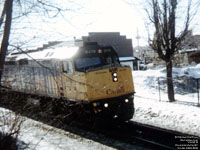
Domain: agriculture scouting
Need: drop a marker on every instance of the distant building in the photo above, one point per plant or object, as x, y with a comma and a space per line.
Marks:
190, 49
130, 61
189, 52
188, 56
191, 41
120, 43
145, 54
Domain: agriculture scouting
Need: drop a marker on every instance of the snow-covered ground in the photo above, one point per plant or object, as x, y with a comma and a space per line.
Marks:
39, 136
173, 116
181, 115
185, 83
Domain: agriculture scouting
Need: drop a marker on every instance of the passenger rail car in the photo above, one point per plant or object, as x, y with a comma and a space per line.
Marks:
89, 74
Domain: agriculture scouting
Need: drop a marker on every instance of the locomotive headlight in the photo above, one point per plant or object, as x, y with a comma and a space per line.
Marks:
115, 79
126, 100
115, 74
106, 105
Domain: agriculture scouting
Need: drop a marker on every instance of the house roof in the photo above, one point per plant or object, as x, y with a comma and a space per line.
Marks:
123, 59
188, 50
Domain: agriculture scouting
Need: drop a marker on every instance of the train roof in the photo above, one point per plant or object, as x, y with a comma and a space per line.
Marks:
61, 51
50, 53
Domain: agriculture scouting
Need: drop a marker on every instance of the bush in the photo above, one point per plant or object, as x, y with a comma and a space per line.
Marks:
7, 142
10, 124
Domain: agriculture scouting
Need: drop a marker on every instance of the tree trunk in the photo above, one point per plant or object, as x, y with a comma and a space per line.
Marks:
3, 13
170, 86
6, 34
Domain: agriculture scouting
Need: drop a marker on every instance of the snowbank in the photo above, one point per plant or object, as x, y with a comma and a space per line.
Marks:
173, 116
152, 83
153, 108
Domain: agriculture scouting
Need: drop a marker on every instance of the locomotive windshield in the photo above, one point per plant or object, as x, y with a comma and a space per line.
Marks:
96, 59
83, 63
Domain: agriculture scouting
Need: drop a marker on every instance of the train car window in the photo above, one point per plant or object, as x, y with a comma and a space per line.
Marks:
10, 63
67, 67
23, 62
47, 54
51, 54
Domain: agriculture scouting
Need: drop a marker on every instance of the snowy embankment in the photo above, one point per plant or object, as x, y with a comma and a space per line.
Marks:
39, 136
153, 110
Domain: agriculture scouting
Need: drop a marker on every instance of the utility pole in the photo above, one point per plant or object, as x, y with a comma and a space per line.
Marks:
138, 48
138, 44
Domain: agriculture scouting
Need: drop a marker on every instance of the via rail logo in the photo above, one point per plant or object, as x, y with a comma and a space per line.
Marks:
121, 89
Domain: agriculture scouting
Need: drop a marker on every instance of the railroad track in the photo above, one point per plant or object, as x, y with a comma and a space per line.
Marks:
143, 135
154, 137
166, 139
133, 133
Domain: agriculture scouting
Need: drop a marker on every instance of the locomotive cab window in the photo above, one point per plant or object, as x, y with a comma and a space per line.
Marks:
87, 62
110, 59
95, 59
67, 67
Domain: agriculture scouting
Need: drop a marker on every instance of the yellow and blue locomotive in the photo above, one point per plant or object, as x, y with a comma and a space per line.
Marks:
89, 74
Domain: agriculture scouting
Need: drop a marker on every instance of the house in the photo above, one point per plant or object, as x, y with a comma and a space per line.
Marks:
145, 54
133, 62
189, 52
188, 56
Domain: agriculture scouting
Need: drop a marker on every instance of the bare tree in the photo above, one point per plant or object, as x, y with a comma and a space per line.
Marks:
10, 125
7, 11
2, 14
166, 41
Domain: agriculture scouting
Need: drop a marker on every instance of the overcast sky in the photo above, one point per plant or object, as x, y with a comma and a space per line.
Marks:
95, 16
111, 16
